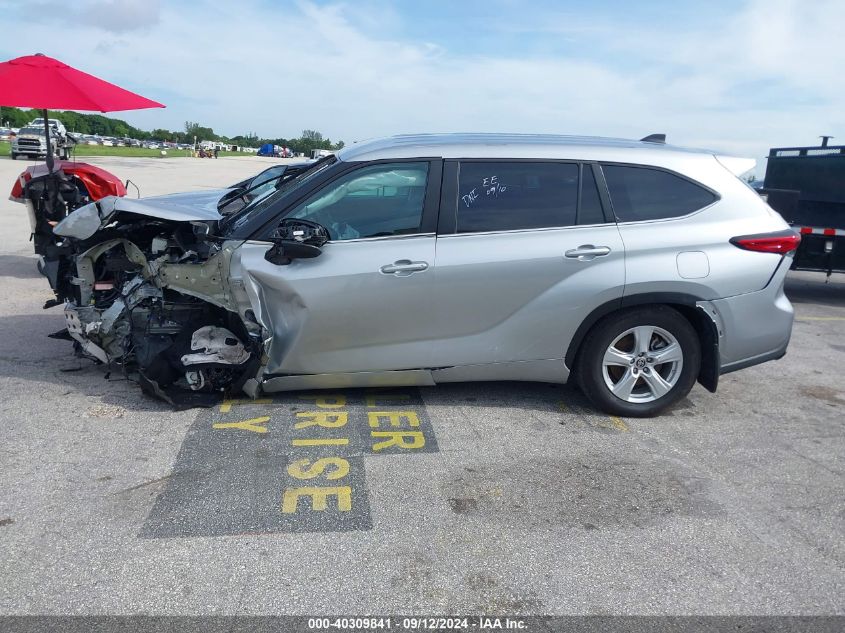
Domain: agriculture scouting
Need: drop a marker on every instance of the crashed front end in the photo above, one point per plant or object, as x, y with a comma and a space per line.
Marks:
152, 295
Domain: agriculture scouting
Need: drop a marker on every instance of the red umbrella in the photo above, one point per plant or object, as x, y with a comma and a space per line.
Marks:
41, 82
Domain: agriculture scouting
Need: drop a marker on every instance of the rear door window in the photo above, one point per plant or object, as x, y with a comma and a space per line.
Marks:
501, 196
643, 193
590, 209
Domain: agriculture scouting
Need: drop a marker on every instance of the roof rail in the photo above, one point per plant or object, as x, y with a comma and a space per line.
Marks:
654, 138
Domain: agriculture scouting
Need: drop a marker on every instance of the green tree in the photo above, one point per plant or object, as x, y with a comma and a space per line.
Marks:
201, 133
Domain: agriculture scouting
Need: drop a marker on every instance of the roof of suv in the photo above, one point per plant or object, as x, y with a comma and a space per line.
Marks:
504, 146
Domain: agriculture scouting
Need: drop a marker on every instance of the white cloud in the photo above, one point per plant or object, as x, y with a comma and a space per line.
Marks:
249, 67
116, 16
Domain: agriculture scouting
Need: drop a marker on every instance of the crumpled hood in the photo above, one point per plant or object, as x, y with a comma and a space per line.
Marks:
180, 207
177, 207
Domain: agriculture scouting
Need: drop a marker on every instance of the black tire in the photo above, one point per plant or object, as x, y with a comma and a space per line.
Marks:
13, 156
591, 370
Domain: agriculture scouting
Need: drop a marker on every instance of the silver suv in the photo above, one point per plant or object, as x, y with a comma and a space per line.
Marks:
636, 267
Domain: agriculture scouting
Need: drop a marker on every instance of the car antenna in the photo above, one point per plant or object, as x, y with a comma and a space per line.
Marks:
654, 138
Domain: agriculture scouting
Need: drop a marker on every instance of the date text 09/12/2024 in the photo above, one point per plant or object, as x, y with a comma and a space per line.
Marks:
414, 624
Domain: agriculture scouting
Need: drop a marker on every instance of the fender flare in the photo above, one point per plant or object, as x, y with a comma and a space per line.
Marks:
687, 304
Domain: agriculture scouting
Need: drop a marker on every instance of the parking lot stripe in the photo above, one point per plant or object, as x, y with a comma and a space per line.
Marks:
812, 318
340, 441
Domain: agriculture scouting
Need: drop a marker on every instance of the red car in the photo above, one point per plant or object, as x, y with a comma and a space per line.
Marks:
50, 198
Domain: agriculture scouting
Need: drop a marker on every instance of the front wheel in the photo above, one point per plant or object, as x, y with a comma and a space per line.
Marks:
13, 156
639, 362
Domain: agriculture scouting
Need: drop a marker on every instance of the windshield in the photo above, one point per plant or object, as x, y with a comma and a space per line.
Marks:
269, 196
268, 174
32, 130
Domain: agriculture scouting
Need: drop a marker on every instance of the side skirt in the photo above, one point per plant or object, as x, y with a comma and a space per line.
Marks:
409, 378
552, 370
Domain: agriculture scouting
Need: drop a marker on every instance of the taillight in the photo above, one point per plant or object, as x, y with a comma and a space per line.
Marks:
780, 242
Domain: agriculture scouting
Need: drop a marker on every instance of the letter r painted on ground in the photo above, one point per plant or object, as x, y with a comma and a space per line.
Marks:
325, 419
399, 439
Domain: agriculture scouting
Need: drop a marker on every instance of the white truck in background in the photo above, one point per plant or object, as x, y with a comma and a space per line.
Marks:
31, 142
55, 126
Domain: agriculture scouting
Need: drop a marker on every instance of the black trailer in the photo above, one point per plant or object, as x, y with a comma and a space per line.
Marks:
806, 185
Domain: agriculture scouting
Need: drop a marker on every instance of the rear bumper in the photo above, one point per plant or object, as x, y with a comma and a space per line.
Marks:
755, 327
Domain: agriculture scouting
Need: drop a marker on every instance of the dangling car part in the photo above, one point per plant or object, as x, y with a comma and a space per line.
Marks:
49, 199
158, 306
147, 288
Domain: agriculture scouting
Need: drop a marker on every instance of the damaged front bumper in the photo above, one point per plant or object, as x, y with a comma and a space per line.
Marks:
154, 297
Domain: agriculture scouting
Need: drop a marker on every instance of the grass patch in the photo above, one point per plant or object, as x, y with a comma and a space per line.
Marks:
137, 152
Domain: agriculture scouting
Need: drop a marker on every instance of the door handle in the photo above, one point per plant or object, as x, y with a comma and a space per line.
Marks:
403, 268
587, 252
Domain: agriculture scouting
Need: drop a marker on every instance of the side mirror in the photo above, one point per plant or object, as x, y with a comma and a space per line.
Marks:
304, 231
284, 252
296, 239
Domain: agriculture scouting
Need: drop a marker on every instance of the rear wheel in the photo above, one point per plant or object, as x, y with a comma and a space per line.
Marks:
639, 362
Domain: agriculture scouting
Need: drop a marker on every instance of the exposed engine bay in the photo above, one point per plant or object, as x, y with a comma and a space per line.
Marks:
150, 296
145, 283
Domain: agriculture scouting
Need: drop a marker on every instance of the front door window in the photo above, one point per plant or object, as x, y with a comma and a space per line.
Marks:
375, 201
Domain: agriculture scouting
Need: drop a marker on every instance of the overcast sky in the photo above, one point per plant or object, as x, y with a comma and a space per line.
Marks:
735, 76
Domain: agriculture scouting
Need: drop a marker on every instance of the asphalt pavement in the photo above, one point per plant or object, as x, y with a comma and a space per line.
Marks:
509, 498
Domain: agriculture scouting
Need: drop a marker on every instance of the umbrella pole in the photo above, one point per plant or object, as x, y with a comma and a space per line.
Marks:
49, 150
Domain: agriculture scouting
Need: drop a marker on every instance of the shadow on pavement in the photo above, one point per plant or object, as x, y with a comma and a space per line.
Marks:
26, 353
816, 288
22, 267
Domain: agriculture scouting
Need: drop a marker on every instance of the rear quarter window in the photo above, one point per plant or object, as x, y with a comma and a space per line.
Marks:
643, 193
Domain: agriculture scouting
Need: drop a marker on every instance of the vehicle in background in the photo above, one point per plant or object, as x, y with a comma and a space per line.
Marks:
268, 149
30, 142
806, 186
276, 151
633, 267
320, 153
55, 124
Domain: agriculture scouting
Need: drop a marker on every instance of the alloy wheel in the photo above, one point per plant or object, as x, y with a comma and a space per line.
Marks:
642, 364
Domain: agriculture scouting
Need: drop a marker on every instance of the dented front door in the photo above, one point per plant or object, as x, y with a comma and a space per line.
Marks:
362, 305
